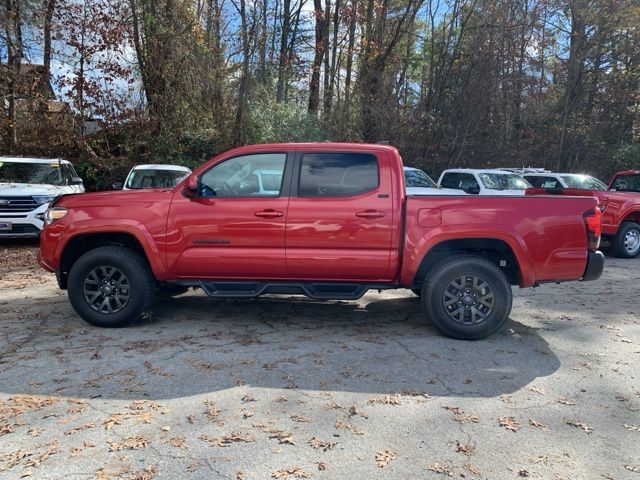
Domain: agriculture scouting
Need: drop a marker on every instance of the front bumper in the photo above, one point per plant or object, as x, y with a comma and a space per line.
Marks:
24, 224
595, 266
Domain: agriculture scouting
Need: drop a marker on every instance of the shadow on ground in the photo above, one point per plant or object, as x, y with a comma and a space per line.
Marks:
197, 345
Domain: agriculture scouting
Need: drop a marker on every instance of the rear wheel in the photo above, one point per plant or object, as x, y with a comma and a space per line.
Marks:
111, 286
467, 297
626, 244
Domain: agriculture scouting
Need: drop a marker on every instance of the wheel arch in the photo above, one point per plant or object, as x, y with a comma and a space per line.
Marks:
497, 251
82, 243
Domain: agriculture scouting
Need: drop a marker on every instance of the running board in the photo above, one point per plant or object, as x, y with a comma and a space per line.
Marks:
317, 291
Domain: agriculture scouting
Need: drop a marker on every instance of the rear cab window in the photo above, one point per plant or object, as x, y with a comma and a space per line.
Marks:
459, 181
327, 174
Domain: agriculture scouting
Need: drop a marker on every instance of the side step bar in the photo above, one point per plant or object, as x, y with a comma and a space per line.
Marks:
317, 291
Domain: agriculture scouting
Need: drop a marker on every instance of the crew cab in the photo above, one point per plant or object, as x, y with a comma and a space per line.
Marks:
27, 185
620, 206
475, 181
338, 224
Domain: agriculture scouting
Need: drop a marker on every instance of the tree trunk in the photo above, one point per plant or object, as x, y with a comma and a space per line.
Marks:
314, 84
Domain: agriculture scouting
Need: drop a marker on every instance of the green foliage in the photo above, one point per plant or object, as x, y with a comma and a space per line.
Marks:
626, 157
282, 122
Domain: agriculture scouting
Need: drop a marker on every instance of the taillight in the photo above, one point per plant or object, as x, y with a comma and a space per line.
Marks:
593, 222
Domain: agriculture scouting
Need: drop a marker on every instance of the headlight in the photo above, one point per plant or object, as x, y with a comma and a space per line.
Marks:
53, 214
42, 199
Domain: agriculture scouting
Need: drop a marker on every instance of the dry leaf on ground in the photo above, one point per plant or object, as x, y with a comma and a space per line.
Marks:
383, 458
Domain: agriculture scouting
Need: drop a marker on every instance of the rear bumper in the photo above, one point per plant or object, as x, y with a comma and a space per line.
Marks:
595, 266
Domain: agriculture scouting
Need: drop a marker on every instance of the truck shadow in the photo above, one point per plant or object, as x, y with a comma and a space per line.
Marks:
197, 345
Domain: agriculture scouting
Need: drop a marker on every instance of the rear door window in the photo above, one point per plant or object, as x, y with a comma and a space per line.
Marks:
337, 174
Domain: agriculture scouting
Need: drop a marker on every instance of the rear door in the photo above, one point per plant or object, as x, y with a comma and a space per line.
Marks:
340, 216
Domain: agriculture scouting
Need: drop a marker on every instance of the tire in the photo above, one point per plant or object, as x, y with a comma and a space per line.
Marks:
417, 291
464, 316
626, 243
128, 295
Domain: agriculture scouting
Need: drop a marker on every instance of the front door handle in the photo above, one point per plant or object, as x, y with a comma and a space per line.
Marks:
370, 214
269, 213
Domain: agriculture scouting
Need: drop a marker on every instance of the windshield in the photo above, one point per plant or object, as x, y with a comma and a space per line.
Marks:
583, 182
503, 181
154, 179
417, 178
627, 183
19, 172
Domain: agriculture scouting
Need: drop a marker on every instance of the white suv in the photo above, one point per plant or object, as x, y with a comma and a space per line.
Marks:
27, 185
475, 181
563, 180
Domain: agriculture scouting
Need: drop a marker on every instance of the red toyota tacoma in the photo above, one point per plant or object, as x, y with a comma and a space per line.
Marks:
325, 220
620, 206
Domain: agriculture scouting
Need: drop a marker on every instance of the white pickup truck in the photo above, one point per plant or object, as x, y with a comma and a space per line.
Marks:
476, 181
27, 186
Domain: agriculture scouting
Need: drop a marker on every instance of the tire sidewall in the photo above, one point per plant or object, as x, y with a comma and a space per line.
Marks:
444, 274
138, 281
621, 251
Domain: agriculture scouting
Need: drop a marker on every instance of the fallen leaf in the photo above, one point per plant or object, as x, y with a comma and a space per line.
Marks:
580, 425
466, 448
535, 423
442, 469
226, 440
295, 472
321, 445
386, 400
136, 442
510, 423
383, 458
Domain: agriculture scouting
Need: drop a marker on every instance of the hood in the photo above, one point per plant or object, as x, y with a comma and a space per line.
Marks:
114, 198
28, 189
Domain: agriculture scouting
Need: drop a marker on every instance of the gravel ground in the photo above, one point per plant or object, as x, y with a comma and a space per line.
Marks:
292, 388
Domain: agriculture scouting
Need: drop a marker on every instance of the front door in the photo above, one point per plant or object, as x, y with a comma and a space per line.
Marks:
340, 217
234, 228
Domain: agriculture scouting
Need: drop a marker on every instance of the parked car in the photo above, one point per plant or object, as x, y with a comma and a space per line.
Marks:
27, 185
339, 224
418, 182
563, 180
154, 176
483, 181
620, 206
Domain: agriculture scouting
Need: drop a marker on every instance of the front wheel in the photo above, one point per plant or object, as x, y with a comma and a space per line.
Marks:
626, 243
111, 286
467, 297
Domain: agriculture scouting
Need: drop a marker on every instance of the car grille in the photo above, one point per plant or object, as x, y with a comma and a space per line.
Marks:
17, 204
20, 229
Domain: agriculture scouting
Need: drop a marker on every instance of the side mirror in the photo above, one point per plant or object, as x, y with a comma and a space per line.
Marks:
117, 185
191, 187
75, 181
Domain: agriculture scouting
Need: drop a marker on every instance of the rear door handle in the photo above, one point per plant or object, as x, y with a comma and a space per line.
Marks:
269, 213
370, 214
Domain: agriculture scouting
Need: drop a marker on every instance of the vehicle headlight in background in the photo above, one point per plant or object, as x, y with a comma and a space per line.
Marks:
42, 199
53, 214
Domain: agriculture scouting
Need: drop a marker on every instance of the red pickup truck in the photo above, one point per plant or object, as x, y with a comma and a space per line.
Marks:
326, 220
620, 206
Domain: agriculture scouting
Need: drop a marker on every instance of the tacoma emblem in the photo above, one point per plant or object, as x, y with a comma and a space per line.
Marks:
4, 202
